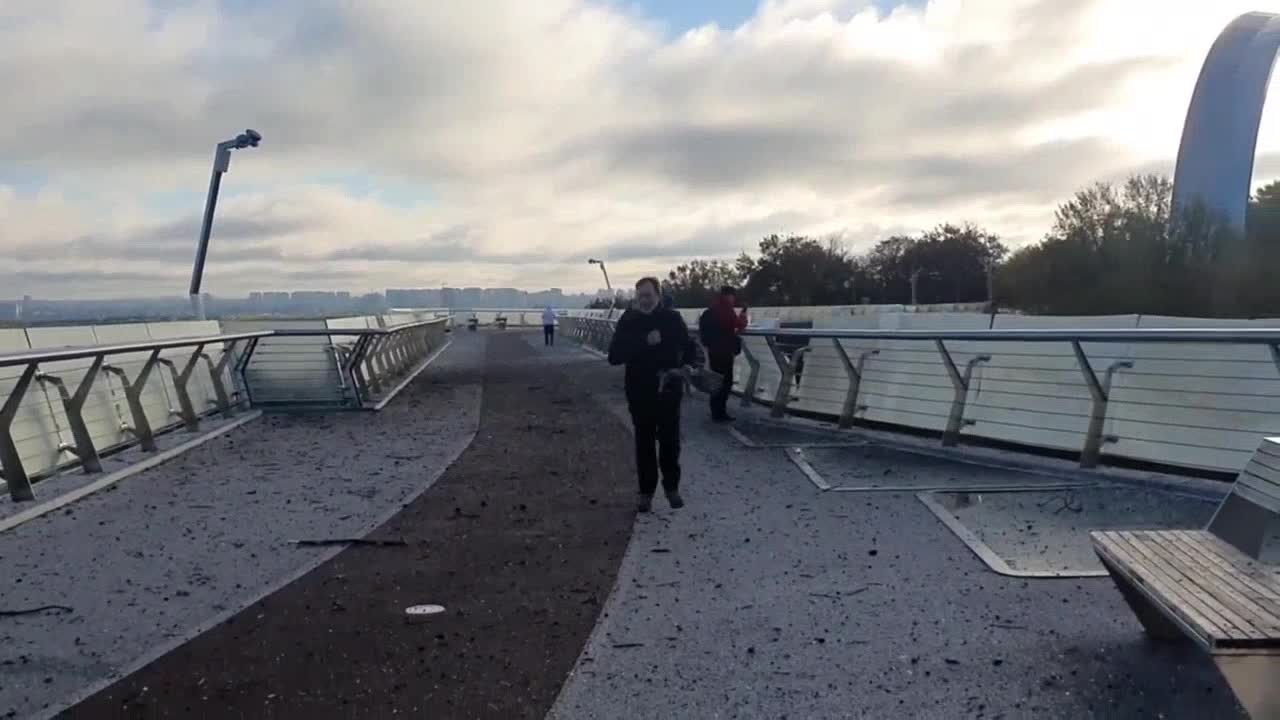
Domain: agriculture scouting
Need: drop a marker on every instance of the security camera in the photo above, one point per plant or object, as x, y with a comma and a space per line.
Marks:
255, 137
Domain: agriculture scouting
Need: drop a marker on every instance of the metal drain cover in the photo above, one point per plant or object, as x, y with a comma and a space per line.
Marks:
414, 610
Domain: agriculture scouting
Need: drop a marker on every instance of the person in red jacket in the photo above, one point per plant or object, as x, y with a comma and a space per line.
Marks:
718, 328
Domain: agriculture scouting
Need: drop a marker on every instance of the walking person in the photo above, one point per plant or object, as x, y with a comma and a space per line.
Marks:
653, 341
549, 327
718, 328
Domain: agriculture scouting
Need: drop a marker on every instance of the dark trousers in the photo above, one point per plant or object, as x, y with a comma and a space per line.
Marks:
723, 366
549, 334
657, 424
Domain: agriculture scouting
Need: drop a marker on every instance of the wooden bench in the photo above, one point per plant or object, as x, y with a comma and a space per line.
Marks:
1212, 585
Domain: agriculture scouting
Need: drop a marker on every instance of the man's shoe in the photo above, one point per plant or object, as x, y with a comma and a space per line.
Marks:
675, 500
644, 503
723, 418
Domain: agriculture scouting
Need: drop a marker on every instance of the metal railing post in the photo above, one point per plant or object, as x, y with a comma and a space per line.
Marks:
854, 373
216, 371
73, 406
374, 363
242, 368
186, 410
1101, 394
15, 475
355, 369
960, 383
133, 394
753, 376
787, 369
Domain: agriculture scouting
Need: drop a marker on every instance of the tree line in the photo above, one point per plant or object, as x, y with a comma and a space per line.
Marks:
1112, 249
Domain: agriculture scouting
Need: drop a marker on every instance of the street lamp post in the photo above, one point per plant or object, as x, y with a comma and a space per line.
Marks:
221, 164
609, 287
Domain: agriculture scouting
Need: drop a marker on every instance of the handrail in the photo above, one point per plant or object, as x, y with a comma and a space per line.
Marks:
376, 356
1163, 409
1231, 336
91, 351
356, 332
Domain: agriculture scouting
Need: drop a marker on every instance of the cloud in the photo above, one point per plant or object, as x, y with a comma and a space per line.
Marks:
530, 135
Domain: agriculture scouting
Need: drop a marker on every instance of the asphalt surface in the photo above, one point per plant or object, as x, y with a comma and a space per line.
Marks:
765, 598
519, 541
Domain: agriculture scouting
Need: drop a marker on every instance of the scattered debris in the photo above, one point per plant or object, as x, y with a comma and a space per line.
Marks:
424, 610
350, 541
36, 610
624, 646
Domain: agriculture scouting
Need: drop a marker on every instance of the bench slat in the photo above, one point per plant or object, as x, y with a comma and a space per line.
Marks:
1243, 571
1184, 589
1270, 446
1218, 587
1268, 461
1257, 491
1203, 621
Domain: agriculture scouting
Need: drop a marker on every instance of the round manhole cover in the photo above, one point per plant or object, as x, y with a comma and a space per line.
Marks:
424, 610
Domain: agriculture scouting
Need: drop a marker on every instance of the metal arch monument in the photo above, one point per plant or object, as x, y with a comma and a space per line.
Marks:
1219, 140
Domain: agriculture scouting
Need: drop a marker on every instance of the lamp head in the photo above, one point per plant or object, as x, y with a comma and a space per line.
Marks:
248, 138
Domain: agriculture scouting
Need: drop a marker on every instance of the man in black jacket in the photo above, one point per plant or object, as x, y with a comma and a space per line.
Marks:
652, 341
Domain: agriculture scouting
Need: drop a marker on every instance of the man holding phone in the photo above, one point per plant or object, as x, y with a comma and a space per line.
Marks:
719, 327
652, 341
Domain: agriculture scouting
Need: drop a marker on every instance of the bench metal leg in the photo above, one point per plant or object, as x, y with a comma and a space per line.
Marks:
1157, 624
1253, 678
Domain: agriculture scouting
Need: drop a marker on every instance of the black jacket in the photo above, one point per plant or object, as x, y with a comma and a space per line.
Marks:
644, 362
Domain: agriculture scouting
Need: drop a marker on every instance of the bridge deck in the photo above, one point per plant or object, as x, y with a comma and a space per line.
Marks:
762, 598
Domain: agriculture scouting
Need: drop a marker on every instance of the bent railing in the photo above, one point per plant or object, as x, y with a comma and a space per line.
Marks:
63, 407
107, 396
1196, 398
347, 367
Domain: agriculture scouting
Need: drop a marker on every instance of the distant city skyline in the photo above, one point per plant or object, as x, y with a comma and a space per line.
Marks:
286, 303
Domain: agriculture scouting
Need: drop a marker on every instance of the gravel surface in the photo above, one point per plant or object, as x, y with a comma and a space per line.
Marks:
519, 541
156, 558
765, 598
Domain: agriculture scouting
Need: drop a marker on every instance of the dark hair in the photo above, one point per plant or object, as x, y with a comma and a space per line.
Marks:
657, 287
728, 290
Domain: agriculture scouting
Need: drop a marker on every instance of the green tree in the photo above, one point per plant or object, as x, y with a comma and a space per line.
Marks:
950, 264
1119, 249
692, 284
1268, 196
799, 270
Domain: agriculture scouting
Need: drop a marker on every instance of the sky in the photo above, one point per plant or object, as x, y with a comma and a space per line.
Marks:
500, 143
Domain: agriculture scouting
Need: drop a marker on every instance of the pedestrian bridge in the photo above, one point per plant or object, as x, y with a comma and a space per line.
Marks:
235, 520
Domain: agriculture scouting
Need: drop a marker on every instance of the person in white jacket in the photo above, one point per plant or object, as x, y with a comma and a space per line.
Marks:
548, 327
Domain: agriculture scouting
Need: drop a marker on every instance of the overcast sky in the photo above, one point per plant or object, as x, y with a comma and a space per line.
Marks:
501, 142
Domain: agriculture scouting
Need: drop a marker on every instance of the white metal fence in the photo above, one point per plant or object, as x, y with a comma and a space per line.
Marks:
71, 394
1197, 404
